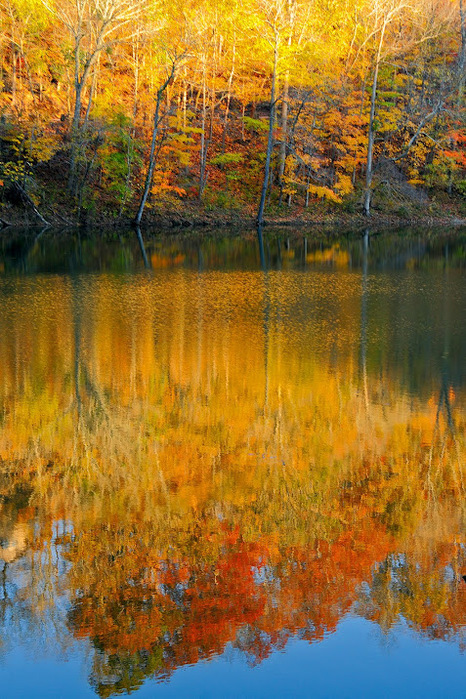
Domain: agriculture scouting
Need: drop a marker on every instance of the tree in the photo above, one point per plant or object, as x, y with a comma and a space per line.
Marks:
274, 15
383, 15
171, 72
94, 26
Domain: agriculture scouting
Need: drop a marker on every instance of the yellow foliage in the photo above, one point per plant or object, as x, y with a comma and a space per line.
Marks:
324, 193
344, 184
43, 148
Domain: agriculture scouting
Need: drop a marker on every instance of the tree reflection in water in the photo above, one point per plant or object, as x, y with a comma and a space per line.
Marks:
197, 461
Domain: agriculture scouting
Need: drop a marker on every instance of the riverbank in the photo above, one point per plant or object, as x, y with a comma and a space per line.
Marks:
193, 215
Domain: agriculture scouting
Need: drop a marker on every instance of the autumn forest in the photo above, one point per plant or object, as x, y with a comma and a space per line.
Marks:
232, 458
129, 109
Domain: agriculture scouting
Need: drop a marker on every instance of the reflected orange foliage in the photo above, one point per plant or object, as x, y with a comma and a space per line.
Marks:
225, 484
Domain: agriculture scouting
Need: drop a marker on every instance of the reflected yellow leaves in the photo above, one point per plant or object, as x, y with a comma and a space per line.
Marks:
228, 475
333, 256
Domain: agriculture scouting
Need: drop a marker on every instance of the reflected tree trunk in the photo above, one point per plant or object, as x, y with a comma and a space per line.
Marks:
364, 314
444, 397
260, 240
76, 309
147, 264
266, 339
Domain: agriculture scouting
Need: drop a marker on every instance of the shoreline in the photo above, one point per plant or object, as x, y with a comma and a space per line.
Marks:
221, 221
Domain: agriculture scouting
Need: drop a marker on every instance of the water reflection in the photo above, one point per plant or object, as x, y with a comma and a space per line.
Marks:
272, 249
196, 459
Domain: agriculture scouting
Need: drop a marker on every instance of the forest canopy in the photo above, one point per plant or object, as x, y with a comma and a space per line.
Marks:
121, 105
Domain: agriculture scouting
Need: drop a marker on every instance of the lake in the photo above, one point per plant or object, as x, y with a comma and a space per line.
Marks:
231, 475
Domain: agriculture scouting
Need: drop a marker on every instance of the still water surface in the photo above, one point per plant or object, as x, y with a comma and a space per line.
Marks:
218, 480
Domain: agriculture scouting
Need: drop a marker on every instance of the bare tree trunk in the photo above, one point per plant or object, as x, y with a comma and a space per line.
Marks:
203, 155
268, 157
13, 77
370, 143
91, 97
130, 149
361, 110
227, 107
185, 103
76, 123
283, 144
152, 155
214, 65
462, 57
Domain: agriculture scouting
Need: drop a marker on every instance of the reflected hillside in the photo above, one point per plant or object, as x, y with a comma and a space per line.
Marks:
49, 252
198, 460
